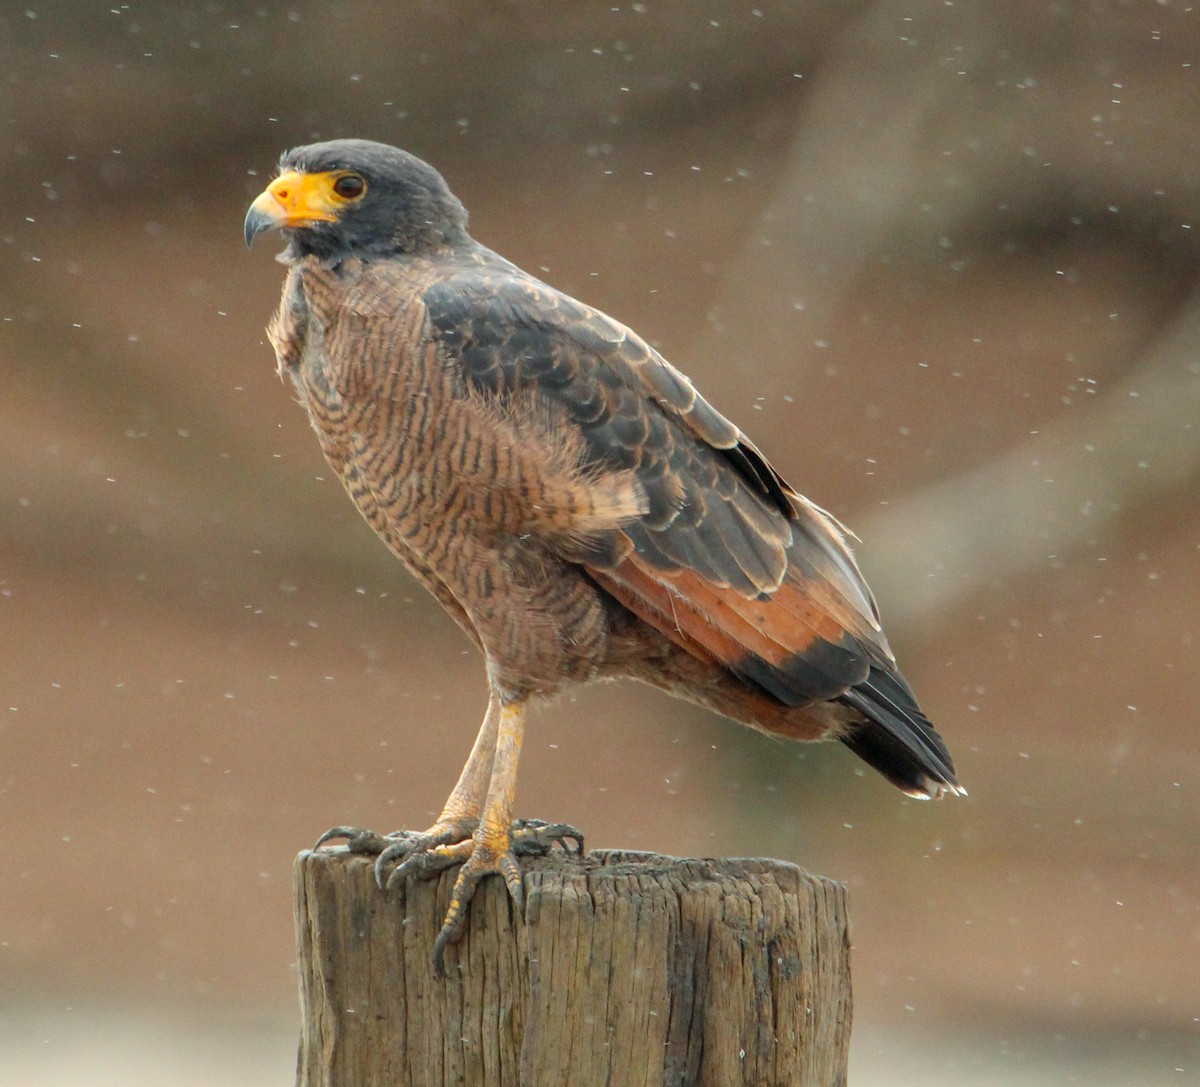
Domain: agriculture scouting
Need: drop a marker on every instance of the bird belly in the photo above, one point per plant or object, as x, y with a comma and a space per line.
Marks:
426, 474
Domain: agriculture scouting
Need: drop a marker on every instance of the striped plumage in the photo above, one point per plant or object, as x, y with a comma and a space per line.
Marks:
564, 492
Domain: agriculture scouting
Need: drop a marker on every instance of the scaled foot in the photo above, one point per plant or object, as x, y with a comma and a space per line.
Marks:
426, 853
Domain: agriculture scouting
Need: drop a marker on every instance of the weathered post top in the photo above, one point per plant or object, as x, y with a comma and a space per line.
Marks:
628, 969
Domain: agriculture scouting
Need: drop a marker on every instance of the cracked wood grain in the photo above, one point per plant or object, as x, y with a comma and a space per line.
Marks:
628, 969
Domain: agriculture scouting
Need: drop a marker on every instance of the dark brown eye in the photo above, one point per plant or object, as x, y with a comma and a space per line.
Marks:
349, 186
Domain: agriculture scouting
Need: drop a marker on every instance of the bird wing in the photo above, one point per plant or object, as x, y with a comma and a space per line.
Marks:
726, 559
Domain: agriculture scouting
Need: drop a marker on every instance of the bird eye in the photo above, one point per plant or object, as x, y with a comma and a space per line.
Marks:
349, 186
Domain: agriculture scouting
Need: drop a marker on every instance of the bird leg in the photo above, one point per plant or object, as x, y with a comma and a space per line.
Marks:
460, 814
497, 841
459, 817
475, 829
489, 849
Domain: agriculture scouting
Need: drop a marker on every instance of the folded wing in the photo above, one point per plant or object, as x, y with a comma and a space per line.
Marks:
726, 560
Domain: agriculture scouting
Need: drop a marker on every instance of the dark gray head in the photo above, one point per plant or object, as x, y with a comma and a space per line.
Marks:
357, 198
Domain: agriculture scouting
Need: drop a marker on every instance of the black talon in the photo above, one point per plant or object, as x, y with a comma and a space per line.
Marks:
337, 832
449, 933
358, 839
535, 838
397, 849
421, 866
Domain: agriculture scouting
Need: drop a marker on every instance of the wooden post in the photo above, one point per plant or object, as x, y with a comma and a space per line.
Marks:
629, 970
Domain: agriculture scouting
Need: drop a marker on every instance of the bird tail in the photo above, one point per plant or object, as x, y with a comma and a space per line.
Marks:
897, 739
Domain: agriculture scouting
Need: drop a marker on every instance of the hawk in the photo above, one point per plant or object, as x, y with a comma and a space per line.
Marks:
579, 509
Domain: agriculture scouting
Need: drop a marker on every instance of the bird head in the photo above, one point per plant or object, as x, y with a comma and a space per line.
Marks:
357, 198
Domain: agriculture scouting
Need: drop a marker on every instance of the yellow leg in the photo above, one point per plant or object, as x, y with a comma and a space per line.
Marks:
459, 818
465, 803
490, 848
475, 829
461, 814
496, 817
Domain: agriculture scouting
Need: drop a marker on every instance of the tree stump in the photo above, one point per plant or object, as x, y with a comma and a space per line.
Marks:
629, 970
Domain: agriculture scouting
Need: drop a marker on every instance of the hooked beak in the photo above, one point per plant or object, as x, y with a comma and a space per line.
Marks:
292, 200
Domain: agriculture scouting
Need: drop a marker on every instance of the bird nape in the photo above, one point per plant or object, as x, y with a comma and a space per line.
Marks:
566, 494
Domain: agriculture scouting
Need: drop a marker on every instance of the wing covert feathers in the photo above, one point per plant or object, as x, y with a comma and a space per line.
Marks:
681, 519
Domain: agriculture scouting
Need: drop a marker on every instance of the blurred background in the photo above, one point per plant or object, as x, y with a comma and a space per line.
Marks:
938, 258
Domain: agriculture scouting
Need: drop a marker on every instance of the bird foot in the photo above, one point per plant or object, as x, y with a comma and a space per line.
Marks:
422, 854
400, 843
445, 845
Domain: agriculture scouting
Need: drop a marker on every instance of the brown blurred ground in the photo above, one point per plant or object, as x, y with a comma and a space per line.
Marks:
938, 259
